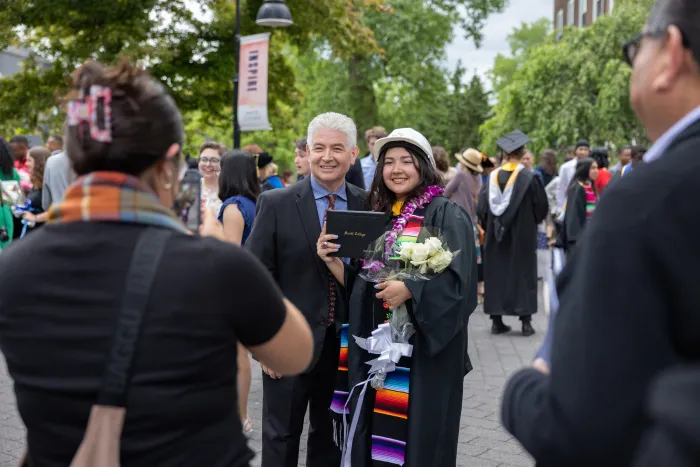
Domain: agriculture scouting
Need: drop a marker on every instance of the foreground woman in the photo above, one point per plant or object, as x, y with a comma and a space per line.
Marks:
414, 419
181, 383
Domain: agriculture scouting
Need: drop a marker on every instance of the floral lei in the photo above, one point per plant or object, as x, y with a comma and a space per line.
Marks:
400, 224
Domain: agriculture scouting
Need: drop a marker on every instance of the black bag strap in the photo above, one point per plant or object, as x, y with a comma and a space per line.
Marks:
144, 265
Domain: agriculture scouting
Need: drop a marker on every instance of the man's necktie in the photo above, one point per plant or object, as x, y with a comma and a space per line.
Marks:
331, 280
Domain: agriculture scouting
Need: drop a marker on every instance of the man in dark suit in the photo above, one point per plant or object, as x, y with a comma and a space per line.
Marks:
610, 343
355, 176
287, 226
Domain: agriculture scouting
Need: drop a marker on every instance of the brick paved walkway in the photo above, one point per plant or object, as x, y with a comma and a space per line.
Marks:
482, 441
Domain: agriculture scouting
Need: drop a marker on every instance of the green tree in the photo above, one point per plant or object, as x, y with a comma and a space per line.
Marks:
411, 36
358, 57
574, 87
192, 57
471, 109
521, 40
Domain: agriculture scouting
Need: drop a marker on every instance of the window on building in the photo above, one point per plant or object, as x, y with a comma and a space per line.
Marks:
598, 9
570, 13
583, 9
560, 19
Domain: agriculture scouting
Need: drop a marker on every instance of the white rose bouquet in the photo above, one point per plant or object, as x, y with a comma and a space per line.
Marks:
386, 260
429, 256
391, 259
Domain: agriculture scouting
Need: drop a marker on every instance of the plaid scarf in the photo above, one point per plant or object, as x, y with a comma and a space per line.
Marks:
112, 197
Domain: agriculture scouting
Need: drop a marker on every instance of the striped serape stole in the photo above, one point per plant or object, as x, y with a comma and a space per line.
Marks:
390, 417
410, 233
340, 393
590, 199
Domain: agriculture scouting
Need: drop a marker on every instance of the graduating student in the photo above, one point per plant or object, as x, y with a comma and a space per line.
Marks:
580, 205
414, 419
511, 204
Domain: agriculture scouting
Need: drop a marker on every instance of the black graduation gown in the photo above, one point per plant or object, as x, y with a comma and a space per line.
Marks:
440, 310
510, 265
574, 217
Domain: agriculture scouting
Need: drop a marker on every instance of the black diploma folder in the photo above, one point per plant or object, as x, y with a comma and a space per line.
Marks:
356, 230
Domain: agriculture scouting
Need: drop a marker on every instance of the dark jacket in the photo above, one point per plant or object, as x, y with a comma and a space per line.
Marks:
545, 177
284, 238
355, 177
673, 406
575, 218
610, 343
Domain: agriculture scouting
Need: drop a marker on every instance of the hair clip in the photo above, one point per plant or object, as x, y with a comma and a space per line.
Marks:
95, 110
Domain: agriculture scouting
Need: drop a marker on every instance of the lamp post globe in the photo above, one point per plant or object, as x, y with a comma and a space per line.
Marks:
274, 14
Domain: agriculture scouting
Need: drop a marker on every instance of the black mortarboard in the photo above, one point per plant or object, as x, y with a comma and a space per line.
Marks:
264, 159
583, 143
512, 142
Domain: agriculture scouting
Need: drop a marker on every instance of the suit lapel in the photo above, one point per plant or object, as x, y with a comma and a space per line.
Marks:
356, 200
309, 218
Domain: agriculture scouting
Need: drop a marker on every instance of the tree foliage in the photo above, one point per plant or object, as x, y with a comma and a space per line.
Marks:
520, 41
192, 56
574, 87
412, 37
353, 56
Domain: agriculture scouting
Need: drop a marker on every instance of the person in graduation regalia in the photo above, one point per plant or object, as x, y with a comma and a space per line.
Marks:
414, 419
511, 204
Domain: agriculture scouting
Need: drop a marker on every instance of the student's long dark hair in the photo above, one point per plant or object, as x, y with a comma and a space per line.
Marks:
381, 198
7, 161
583, 173
239, 176
600, 155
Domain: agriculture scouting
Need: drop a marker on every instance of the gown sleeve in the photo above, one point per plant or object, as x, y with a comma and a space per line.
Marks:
352, 271
541, 203
575, 216
441, 306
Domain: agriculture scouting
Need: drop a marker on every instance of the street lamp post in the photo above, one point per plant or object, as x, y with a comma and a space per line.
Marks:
273, 14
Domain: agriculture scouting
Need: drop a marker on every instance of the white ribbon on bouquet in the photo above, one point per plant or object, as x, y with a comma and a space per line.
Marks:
380, 343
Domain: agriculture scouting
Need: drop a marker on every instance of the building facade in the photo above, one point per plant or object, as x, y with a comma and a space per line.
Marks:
11, 61
579, 13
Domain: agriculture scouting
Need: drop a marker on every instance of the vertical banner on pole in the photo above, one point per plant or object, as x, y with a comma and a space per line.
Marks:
252, 94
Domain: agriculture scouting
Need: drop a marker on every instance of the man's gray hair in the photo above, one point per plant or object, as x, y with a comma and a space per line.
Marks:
333, 121
685, 14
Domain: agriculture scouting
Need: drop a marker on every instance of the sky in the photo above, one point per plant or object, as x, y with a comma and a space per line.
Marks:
480, 61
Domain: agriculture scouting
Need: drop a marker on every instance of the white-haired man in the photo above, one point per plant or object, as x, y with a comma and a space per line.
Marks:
287, 226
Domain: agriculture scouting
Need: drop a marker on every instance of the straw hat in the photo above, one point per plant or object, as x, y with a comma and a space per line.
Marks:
471, 158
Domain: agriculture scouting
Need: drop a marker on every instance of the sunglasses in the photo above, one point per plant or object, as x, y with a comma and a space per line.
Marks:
630, 49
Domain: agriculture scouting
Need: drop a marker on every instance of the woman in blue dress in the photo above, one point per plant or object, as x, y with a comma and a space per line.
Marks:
238, 190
